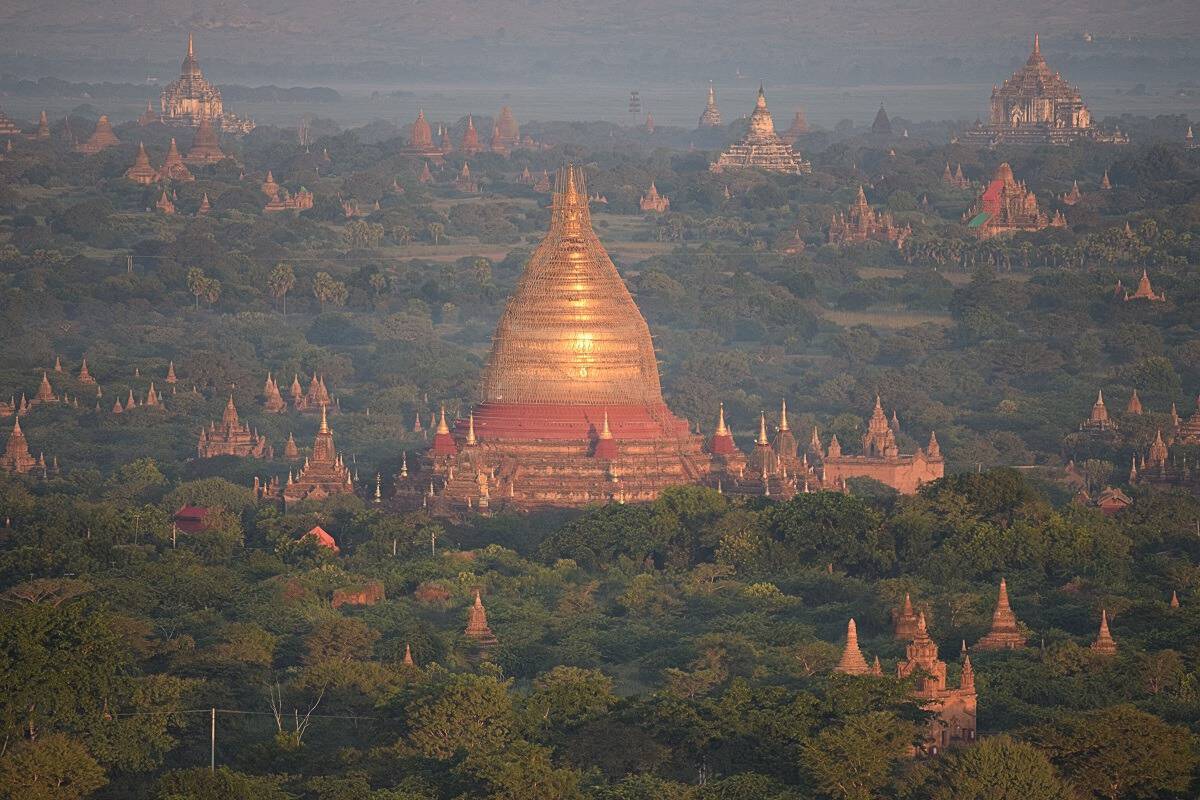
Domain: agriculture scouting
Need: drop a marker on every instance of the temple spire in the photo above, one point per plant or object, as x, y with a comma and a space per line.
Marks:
324, 418
605, 433
1104, 644
191, 47
783, 420
852, 661
442, 427
471, 440
722, 430
1004, 634
762, 430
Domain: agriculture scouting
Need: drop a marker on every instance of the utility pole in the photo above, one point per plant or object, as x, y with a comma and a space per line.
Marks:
212, 738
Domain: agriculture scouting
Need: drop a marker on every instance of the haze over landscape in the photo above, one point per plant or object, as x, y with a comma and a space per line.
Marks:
610, 400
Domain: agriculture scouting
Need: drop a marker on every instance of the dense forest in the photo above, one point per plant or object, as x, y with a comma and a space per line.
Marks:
681, 649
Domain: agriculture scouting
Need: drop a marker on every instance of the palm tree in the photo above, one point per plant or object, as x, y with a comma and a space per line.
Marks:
281, 281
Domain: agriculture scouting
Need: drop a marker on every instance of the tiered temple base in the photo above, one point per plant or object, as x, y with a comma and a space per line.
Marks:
526, 457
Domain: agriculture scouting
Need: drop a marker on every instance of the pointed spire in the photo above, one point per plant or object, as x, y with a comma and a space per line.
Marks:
722, 430
442, 427
762, 431
605, 433
408, 659
191, 47
1004, 634
783, 420
471, 440
967, 679
1174, 599
324, 418
1104, 644
852, 661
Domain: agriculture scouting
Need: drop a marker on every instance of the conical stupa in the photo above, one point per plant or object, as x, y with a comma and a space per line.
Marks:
101, 138
206, 147
852, 661
761, 148
570, 347
905, 619
711, 116
141, 171
1004, 635
1104, 644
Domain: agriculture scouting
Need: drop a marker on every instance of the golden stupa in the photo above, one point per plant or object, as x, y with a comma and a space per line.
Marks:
571, 333
571, 409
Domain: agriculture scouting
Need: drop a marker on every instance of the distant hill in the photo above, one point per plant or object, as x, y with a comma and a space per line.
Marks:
541, 36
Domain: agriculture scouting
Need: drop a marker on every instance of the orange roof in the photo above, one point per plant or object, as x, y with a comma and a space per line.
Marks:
323, 538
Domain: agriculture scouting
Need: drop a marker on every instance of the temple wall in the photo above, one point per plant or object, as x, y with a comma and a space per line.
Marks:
905, 474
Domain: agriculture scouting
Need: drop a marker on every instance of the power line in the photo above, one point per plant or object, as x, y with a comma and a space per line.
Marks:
229, 711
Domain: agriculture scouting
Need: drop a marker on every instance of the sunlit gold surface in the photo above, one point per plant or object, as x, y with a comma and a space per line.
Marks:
571, 333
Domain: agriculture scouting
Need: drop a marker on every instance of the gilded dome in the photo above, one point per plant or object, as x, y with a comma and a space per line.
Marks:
571, 333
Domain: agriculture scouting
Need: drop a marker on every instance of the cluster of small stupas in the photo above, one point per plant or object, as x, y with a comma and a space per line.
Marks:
1037, 106
316, 398
422, 143
572, 410
232, 438
1144, 291
955, 179
323, 475
761, 148
863, 224
954, 710
1072, 197
205, 150
191, 99
1158, 467
654, 203
280, 199
1007, 206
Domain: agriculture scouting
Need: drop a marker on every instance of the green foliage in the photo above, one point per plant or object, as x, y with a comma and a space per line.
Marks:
459, 713
223, 784
857, 759
997, 768
52, 767
1120, 752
